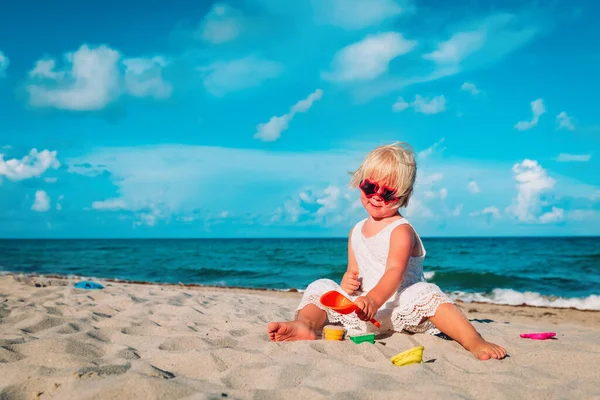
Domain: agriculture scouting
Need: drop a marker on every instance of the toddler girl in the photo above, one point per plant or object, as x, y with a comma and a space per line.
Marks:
385, 268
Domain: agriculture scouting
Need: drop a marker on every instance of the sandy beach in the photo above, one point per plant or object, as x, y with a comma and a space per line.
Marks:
171, 342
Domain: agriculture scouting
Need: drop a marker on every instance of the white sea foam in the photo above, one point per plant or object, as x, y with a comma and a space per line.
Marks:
429, 275
512, 297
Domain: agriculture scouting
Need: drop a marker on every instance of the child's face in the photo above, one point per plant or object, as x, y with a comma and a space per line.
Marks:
377, 200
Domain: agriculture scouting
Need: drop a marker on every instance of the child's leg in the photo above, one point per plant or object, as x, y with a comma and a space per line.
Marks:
453, 323
310, 318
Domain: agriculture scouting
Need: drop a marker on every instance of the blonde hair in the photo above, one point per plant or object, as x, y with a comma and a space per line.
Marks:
393, 165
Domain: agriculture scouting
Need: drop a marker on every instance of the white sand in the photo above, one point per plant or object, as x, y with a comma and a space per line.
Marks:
148, 341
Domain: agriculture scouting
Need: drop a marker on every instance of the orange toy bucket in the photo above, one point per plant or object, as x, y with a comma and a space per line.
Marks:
341, 304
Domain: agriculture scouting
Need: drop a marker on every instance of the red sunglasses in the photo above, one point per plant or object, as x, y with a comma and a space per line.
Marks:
370, 189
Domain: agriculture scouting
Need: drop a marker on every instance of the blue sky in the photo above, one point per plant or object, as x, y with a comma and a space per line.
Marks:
243, 118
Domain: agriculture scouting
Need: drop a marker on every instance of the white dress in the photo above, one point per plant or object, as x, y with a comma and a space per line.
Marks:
407, 309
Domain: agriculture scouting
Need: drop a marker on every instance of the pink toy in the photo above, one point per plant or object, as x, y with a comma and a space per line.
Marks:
538, 336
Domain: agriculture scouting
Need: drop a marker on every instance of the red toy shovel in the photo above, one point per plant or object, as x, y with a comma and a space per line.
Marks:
340, 303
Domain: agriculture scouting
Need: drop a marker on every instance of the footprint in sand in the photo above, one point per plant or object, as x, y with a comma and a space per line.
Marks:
98, 335
81, 349
9, 354
183, 344
103, 370
45, 323
69, 329
129, 354
238, 332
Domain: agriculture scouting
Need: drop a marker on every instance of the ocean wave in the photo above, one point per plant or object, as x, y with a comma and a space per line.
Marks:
429, 275
514, 298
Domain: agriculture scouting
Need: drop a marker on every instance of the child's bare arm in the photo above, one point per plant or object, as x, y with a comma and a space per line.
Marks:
401, 245
350, 282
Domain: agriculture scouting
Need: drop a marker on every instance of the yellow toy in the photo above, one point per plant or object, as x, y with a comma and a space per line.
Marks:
332, 332
410, 356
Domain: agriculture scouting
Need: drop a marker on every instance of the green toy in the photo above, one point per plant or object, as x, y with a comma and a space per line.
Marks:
367, 338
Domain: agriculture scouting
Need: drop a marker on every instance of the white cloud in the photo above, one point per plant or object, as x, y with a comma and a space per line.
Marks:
369, 58
32, 165
582, 215
565, 122
474, 45
473, 187
110, 205
51, 180
429, 194
482, 42
458, 47
418, 209
175, 176
4, 63
221, 77
271, 130
58, 205
329, 200
457, 210
430, 179
42, 201
400, 105
89, 82
327, 206
429, 106
422, 104
356, 14
143, 77
556, 215
443, 193
221, 24
537, 109
532, 182
92, 78
562, 157
470, 87
494, 212
430, 150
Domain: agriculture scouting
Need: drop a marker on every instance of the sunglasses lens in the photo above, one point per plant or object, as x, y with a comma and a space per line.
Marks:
388, 195
368, 188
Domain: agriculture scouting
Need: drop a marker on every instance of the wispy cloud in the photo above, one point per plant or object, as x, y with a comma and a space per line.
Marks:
369, 58
472, 45
92, 78
564, 121
144, 77
271, 130
563, 157
435, 148
357, 14
482, 42
492, 211
537, 110
223, 77
4, 63
174, 178
110, 205
221, 24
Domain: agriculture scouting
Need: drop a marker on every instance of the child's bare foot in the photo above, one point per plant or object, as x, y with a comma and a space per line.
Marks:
287, 331
483, 350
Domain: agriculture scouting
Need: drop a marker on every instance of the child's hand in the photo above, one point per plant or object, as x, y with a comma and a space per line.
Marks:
367, 308
350, 282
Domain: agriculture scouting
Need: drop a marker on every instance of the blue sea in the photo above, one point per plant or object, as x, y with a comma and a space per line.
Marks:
557, 272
